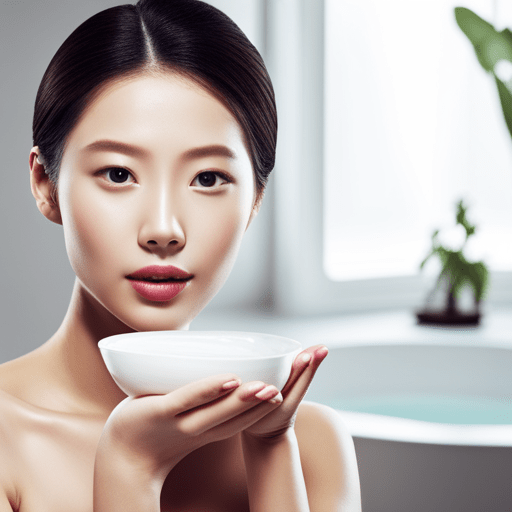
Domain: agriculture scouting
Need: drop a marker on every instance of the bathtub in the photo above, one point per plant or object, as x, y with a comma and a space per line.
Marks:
452, 453
413, 465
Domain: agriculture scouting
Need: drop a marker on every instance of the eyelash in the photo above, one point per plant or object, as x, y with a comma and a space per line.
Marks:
223, 176
217, 174
105, 174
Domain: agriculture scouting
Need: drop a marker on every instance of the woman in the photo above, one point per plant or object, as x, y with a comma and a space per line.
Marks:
154, 134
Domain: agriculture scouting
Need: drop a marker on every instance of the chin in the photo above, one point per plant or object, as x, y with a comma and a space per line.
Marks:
160, 317
138, 314
158, 322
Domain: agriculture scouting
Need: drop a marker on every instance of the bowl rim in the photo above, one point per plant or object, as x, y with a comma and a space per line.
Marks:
105, 344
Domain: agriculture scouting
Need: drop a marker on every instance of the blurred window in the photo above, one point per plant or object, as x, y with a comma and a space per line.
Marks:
412, 124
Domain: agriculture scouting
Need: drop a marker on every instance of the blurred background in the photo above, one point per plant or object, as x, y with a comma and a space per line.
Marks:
386, 120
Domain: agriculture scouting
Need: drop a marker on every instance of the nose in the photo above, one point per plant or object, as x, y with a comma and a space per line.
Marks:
161, 231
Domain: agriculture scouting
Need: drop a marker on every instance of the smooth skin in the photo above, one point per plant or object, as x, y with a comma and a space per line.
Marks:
156, 172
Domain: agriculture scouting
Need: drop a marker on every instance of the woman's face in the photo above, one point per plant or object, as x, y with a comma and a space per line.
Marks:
155, 175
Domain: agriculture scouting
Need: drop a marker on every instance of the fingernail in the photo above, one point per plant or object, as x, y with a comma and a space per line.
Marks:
232, 384
267, 393
305, 358
322, 352
256, 387
277, 399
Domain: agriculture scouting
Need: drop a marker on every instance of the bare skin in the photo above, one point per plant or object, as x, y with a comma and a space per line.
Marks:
51, 454
69, 438
52, 447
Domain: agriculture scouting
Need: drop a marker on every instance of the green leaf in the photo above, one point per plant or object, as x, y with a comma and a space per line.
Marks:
480, 278
460, 273
506, 103
454, 268
445, 256
490, 45
460, 218
423, 263
476, 29
463, 221
507, 33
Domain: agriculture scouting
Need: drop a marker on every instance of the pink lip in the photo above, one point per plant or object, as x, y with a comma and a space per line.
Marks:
159, 291
163, 272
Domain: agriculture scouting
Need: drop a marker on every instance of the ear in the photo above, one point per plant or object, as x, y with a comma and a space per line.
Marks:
43, 189
255, 208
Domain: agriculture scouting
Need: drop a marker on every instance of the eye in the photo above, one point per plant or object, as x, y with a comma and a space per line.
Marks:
118, 175
210, 179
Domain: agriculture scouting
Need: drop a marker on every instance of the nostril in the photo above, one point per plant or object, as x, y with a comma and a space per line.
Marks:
171, 242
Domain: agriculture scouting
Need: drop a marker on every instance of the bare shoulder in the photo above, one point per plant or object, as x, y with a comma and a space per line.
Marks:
13, 374
28, 379
328, 459
15, 416
320, 426
8, 413
12, 421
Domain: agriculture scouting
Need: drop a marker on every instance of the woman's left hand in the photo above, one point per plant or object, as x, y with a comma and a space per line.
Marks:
280, 420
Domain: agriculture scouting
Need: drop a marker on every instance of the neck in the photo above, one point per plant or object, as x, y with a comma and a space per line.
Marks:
75, 361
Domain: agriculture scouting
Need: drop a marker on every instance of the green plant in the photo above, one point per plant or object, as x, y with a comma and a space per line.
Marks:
494, 52
457, 272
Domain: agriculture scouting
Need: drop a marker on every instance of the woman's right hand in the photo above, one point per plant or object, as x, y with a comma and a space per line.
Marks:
153, 433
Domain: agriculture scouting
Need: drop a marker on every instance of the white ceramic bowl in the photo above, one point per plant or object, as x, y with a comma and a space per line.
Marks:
158, 362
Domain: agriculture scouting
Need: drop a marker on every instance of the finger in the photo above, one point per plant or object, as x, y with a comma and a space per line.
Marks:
225, 408
300, 363
246, 419
294, 393
200, 392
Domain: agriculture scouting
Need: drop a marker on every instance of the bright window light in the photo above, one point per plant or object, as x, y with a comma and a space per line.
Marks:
412, 125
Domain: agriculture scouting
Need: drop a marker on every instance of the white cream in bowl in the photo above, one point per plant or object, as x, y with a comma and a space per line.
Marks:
158, 362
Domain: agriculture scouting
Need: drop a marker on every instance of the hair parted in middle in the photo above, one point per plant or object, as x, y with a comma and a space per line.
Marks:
188, 37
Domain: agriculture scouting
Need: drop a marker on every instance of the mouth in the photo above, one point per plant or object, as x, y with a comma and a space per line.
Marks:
159, 283
160, 274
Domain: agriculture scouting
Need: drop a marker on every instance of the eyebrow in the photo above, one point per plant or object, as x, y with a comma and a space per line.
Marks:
117, 147
212, 150
135, 151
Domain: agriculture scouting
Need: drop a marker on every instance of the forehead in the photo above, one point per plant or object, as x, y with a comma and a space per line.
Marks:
161, 112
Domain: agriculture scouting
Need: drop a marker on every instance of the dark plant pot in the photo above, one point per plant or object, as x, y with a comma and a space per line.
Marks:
447, 317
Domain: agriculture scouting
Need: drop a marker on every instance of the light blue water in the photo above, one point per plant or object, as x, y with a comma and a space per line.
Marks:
434, 408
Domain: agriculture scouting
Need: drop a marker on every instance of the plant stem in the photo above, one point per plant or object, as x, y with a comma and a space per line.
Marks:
451, 306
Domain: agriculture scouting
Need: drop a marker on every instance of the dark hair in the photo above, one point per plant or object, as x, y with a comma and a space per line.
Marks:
187, 36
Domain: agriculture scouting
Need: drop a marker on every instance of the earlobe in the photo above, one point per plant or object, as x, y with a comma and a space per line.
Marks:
43, 189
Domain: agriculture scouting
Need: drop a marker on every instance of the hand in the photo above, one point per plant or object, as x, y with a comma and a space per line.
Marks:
153, 433
278, 422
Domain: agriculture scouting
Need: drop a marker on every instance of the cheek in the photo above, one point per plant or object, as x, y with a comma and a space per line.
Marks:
92, 231
218, 235
228, 236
